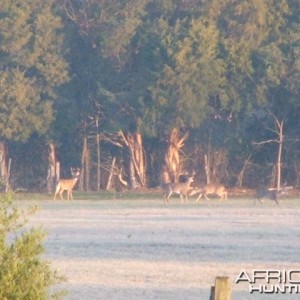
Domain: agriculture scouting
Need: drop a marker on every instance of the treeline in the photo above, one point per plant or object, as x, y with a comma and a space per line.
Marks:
140, 92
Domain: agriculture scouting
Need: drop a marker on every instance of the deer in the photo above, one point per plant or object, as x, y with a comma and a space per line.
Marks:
67, 185
265, 193
181, 188
210, 189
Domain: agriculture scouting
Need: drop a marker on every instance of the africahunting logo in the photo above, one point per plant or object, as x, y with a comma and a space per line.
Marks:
271, 281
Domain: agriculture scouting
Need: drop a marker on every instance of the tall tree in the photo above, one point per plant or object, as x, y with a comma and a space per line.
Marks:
193, 78
259, 42
101, 61
31, 67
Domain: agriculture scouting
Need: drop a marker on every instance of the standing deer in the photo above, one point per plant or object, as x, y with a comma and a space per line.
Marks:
67, 184
182, 188
210, 189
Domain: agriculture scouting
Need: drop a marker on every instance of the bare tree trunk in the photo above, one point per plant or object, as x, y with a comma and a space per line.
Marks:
215, 165
51, 176
57, 170
172, 157
137, 164
7, 185
280, 143
207, 169
132, 175
240, 177
98, 156
111, 173
277, 166
85, 163
121, 179
297, 173
3, 166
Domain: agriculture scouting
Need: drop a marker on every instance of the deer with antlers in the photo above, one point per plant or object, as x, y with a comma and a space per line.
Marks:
67, 185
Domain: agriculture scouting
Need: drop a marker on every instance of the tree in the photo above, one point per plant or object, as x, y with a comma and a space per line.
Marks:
193, 75
277, 73
172, 168
101, 57
31, 68
143, 68
23, 274
278, 132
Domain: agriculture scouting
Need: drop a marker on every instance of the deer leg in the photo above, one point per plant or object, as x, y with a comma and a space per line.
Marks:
181, 197
165, 197
199, 197
56, 191
169, 195
206, 197
186, 198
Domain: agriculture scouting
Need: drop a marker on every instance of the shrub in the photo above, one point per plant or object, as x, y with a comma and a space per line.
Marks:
23, 273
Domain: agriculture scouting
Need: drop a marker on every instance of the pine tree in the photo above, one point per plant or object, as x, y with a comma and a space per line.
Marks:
31, 67
23, 274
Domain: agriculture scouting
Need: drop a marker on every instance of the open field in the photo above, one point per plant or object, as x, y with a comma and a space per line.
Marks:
143, 249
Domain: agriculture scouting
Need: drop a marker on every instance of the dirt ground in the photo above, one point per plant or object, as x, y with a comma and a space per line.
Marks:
143, 249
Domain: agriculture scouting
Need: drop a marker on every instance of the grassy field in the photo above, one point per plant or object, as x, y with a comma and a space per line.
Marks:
133, 246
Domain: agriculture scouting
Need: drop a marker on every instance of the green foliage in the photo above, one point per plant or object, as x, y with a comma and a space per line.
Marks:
23, 274
193, 76
31, 67
148, 65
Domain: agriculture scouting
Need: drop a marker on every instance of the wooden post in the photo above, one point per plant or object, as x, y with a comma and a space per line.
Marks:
222, 289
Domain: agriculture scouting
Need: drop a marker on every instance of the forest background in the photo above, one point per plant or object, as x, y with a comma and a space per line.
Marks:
140, 92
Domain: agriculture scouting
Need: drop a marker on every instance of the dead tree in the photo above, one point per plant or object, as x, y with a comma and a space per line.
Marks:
278, 130
137, 160
173, 165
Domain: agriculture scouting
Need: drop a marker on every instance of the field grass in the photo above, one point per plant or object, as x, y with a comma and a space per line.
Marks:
133, 246
102, 195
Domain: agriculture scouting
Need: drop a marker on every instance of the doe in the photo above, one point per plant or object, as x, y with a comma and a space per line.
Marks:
67, 184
